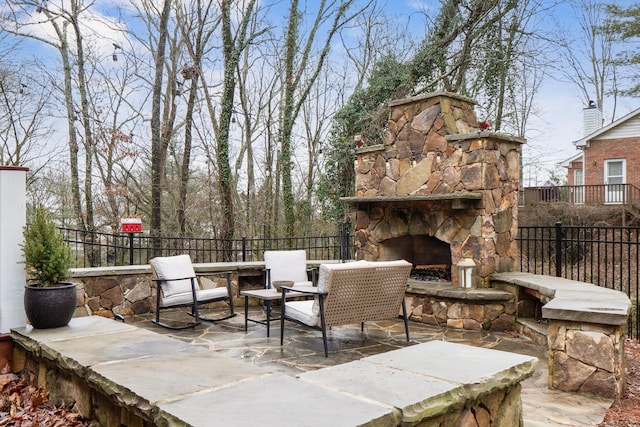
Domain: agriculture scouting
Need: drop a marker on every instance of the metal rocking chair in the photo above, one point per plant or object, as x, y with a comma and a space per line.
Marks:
178, 286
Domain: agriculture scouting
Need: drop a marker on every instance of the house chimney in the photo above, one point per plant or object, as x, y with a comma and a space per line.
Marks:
592, 118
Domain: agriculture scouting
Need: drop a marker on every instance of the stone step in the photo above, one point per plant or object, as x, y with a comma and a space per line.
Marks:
534, 329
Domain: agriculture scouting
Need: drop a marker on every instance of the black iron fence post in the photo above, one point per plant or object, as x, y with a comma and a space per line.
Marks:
130, 248
244, 248
558, 249
345, 240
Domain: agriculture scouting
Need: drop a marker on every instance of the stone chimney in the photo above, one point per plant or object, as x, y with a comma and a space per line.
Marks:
438, 189
592, 118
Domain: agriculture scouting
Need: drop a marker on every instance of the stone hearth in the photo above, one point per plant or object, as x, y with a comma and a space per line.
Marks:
437, 182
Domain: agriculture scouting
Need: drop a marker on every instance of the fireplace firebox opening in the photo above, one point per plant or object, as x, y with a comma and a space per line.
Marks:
431, 257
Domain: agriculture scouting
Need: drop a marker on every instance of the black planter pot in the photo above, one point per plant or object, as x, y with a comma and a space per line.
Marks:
50, 307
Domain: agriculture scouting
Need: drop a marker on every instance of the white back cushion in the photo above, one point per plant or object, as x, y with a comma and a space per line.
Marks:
173, 267
286, 265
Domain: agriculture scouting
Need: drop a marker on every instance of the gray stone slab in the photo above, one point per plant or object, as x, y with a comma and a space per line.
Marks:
573, 300
416, 396
612, 312
446, 290
80, 352
274, 400
459, 363
143, 382
31, 338
546, 285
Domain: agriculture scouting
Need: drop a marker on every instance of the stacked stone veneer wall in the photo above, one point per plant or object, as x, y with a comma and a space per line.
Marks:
122, 294
105, 291
460, 313
433, 147
585, 357
584, 334
122, 290
65, 387
130, 290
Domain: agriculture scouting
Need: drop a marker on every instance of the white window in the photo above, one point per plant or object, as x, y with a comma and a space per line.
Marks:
578, 189
614, 180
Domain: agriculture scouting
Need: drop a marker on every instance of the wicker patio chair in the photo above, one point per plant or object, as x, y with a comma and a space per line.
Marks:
350, 293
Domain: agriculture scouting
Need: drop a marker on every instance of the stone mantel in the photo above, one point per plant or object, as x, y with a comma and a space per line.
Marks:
432, 95
485, 134
462, 195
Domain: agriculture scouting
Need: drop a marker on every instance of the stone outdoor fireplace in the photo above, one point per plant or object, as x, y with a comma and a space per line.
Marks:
439, 189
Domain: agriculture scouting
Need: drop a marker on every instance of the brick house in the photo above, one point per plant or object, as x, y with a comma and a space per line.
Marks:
609, 155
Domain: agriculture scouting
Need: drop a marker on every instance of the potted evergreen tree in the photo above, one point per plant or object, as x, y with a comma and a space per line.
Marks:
49, 300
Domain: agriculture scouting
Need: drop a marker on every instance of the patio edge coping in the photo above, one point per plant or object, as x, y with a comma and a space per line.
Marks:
123, 362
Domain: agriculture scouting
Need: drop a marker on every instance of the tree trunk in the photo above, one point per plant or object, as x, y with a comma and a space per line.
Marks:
73, 139
157, 159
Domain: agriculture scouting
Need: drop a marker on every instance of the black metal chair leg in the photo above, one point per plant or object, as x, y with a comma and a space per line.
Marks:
404, 317
324, 328
282, 309
268, 304
246, 312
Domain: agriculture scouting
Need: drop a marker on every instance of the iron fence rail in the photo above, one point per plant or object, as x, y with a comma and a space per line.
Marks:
605, 256
94, 249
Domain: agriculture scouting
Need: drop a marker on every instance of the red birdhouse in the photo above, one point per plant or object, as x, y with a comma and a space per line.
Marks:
131, 225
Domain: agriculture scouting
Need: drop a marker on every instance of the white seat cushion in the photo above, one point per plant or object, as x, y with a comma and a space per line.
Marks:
201, 295
305, 283
302, 311
170, 268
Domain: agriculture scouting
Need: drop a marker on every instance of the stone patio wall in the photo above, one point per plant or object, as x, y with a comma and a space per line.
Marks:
587, 358
120, 385
130, 290
461, 314
498, 407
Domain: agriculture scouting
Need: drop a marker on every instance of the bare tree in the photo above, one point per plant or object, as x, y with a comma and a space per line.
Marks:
198, 25
234, 42
65, 22
588, 54
115, 154
301, 68
24, 129
159, 139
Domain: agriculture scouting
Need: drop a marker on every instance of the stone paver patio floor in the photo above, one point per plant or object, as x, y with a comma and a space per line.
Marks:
302, 351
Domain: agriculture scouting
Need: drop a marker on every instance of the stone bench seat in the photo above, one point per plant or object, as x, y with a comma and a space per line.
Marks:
585, 333
119, 374
572, 300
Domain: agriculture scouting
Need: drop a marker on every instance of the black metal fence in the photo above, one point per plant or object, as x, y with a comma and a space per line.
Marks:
605, 256
94, 249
